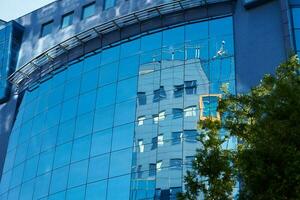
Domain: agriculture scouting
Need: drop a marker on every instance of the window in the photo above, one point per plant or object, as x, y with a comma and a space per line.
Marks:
46, 28
159, 117
190, 135
142, 98
139, 171
160, 139
154, 143
190, 87
67, 19
159, 94
141, 146
141, 120
159, 165
152, 169
175, 163
208, 106
108, 4
178, 90
88, 10
177, 113
190, 111
176, 137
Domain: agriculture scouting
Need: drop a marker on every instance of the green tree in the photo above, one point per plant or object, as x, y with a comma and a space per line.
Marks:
267, 123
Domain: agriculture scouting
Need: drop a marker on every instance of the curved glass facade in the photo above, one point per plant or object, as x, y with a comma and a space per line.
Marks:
121, 124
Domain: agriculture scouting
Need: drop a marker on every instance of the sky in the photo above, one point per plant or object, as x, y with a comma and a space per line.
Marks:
12, 9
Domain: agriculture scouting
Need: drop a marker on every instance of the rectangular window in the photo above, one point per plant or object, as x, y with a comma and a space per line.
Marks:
175, 163
159, 117
159, 165
89, 10
176, 137
177, 113
154, 143
46, 28
208, 105
159, 94
142, 98
160, 140
178, 90
190, 87
152, 169
139, 171
141, 120
67, 20
141, 146
190, 136
109, 4
190, 111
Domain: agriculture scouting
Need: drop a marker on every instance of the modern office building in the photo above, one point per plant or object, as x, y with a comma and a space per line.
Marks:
100, 98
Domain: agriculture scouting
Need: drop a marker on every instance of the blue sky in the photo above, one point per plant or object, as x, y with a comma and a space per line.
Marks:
12, 9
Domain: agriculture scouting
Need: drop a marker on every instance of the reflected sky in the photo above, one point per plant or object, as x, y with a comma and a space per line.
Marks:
9, 10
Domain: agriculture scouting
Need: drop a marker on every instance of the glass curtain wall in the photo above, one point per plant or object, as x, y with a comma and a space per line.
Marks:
296, 26
121, 124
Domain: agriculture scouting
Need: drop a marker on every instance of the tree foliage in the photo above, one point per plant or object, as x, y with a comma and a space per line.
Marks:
267, 159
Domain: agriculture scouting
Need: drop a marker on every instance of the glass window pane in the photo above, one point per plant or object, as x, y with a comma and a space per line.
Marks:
81, 148
67, 20
66, 131
125, 113
98, 168
173, 36
151, 42
78, 172
109, 4
88, 10
92, 62
101, 142
120, 184
126, 89
96, 191
106, 95
84, 124
196, 32
128, 67
86, 102
69, 108
43, 185
76, 193
110, 55
45, 161
59, 179
89, 81
296, 17
62, 155
27, 190
108, 74
130, 48
46, 28
123, 137
103, 118
120, 162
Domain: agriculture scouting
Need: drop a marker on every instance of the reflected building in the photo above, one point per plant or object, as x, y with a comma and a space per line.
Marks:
101, 99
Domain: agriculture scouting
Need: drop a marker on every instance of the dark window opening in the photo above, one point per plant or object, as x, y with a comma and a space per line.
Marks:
190, 87
178, 90
142, 99
159, 94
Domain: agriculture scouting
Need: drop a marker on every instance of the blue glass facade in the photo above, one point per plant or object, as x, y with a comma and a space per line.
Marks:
296, 26
10, 39
121, 124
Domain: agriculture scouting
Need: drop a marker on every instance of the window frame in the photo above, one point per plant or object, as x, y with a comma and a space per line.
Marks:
201, 107
85, 7
51, 22
70, 22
